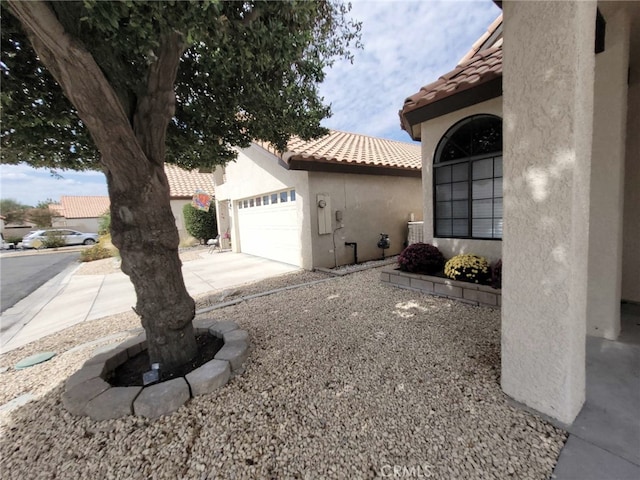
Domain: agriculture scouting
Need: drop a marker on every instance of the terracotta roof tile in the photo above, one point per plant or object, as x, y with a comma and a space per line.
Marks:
81, 207
56, 209
184, 183
481, 68
352, 148
481, 43
480, 65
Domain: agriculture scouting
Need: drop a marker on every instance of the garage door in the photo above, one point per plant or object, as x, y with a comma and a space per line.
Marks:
269, 227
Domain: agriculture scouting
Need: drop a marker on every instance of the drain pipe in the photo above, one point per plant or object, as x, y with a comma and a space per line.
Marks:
355, 249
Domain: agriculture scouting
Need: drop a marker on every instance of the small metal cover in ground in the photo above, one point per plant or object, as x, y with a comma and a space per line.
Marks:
34, 360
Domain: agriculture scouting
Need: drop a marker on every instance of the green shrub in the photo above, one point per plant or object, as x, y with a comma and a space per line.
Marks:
53, 239
200, 224
104, 224
97, 252
422, 258
13, 239
468, 268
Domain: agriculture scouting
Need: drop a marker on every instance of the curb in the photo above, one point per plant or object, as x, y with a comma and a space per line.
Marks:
27, 309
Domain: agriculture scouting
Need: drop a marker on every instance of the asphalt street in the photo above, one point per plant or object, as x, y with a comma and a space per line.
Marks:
22, 274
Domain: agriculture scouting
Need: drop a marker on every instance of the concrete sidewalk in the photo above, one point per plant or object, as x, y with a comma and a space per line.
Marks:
70, 298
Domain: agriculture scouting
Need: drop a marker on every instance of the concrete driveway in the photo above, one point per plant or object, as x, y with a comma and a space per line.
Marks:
70, 298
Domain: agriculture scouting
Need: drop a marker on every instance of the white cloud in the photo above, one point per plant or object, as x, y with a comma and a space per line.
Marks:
30, 186
407, 44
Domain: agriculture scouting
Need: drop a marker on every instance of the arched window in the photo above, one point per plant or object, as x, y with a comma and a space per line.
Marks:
467, 180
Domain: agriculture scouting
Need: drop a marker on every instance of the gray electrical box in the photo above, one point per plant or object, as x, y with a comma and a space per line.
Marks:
323, 205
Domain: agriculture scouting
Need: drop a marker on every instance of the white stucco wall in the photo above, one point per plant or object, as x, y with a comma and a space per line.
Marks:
432, 132
631, 229
85, 225
257, 171
548, 118
607, 179
370, 205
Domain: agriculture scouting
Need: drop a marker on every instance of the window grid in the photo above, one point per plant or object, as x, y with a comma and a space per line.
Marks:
459, 193
269, 199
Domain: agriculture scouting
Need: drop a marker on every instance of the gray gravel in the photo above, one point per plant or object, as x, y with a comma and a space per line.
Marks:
346, 379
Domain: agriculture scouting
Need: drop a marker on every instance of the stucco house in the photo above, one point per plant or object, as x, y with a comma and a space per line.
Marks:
183, 184
84, 212
531, 153
319, 201
81, 213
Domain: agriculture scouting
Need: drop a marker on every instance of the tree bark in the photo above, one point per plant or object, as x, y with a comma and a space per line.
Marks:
142, 224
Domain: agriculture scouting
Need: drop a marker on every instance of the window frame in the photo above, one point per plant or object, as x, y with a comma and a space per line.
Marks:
469, 162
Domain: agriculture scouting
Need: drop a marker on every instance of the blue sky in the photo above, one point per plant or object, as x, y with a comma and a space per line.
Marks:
407, 44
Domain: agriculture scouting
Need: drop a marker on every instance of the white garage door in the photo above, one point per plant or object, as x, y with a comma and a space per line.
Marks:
269, 227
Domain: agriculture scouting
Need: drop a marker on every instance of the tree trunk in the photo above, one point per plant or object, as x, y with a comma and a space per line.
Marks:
144, 229
142, 224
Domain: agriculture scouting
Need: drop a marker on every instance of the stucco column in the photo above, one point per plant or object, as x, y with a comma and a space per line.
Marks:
548, 117
607, 178
631, 230
428, 150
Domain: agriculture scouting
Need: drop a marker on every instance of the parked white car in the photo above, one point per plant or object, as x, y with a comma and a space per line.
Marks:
37, 238
6, 245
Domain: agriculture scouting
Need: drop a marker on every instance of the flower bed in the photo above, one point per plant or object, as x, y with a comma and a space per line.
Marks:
472, 293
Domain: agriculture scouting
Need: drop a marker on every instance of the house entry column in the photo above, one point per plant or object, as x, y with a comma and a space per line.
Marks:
548, 77
607, 176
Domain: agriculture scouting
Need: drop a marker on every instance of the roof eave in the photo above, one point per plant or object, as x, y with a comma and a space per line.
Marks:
314, 165
412, 118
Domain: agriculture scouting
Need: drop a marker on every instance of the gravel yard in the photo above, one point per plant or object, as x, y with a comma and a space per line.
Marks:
346, 379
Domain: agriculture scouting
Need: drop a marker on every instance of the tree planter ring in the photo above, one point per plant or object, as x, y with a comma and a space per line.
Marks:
88, 393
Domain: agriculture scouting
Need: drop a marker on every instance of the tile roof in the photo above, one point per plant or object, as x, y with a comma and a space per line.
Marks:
56, 209
80, 207
482, 64
353, 149
491, 38
184, 183
482, 67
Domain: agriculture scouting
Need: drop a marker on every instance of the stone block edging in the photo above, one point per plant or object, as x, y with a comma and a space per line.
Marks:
465, 292
87, 393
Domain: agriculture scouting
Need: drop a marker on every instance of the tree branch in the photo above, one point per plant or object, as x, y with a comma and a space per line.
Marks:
84, 83
157, 106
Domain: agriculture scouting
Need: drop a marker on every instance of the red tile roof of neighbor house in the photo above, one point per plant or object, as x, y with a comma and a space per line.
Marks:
482, 64
56, 209
343, 148
80, 207
182, 184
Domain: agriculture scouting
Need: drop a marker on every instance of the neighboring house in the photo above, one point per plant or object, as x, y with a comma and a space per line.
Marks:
17, 229
305, 205
183, 184
531, 154
84, 213
79, 213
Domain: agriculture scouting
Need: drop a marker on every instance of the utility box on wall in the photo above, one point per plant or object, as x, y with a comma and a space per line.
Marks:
323, 204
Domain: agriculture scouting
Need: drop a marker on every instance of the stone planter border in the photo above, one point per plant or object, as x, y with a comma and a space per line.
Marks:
88, 393
470, 293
